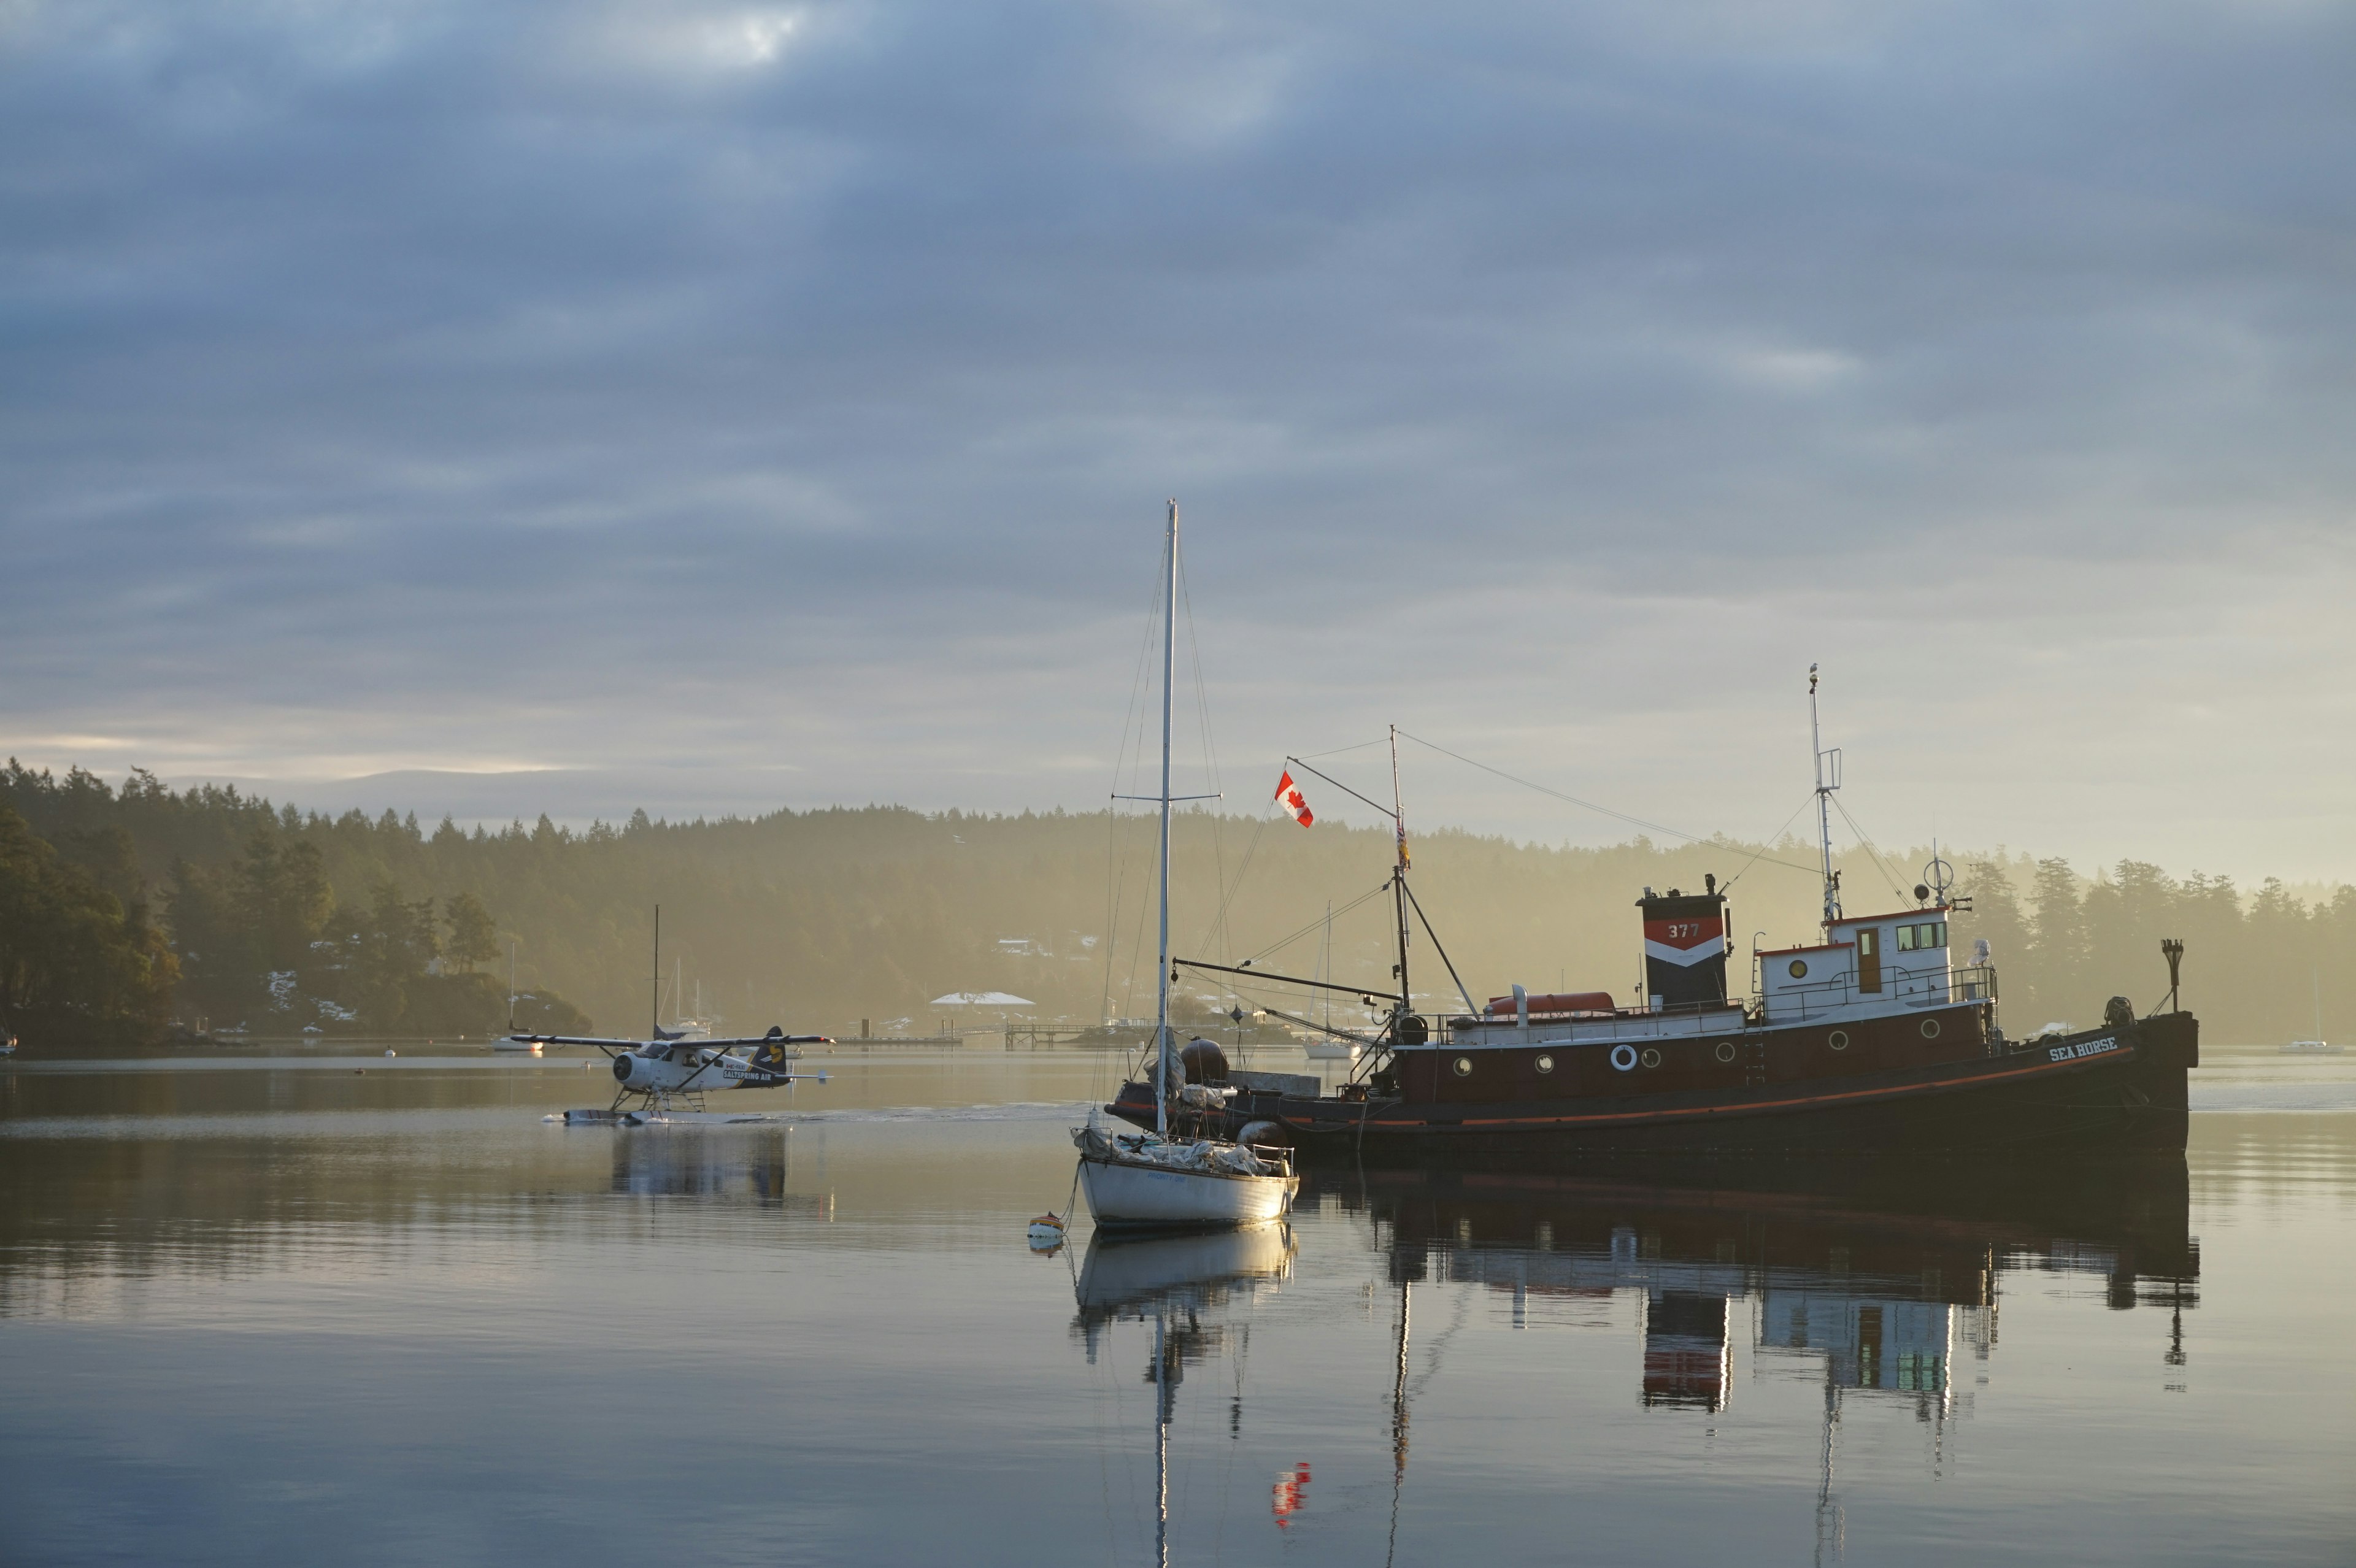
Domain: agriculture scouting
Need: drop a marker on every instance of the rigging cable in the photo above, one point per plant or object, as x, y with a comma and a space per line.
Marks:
1210, 754
1772, 839
1129, 717
1591, 806
1880, 862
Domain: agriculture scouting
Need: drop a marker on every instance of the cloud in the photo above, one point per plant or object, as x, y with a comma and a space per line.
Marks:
394, 386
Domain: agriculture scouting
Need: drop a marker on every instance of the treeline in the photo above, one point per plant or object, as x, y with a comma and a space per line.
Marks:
2261, 968
205, 902
255, 933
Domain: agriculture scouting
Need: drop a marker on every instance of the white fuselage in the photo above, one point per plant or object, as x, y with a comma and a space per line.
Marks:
673, 1067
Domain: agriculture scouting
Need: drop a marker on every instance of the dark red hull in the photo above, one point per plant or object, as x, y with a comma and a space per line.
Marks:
2115, 1089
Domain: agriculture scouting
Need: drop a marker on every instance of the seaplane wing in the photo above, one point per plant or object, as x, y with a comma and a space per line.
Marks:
773, 1037
609, 1046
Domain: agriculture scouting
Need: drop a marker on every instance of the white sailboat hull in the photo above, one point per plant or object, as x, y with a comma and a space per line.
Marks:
1120, 1194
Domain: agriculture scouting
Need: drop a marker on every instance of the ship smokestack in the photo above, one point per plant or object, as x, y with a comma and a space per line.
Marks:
1684, 947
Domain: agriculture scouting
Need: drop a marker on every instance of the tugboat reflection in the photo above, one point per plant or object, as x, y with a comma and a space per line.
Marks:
1883, 1275
1871, 1279
751, 1165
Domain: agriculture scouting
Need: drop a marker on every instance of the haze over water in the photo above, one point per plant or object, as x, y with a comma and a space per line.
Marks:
271, 1308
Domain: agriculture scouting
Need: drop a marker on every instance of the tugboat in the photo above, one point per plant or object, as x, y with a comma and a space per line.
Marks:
1871, 1040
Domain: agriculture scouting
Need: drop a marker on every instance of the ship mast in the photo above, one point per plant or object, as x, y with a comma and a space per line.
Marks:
1828, 781
1398, 886
1161, 970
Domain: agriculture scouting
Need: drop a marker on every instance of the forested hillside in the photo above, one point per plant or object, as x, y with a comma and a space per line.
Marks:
134, 906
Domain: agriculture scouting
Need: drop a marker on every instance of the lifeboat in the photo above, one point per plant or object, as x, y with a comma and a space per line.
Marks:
1556, 1002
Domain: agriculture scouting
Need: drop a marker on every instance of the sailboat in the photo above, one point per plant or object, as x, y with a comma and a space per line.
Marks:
512, 1041
1164, 1179
2319, 1046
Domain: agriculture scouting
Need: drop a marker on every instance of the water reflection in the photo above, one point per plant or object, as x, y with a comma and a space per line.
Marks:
751, 1165
1871, 1280
1182, 1285
1661, 1366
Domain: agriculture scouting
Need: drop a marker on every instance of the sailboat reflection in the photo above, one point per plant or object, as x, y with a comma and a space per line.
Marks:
1871, 1279
750, 1165
1183, 1285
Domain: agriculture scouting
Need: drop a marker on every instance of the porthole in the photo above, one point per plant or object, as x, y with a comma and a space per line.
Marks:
1930, 1028
1726, 1050
1652, 1058
1623, 1057
1838, 1039
1465, 1067
1799, 969
1545, 1064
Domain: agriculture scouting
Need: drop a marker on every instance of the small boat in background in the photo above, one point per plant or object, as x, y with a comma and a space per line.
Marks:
2319, 1046
511, 1040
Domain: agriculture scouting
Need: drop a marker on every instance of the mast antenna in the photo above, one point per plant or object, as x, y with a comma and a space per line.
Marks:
1398, 885
1829, 770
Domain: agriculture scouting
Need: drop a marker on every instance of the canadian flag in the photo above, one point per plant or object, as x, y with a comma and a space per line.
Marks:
1290, 793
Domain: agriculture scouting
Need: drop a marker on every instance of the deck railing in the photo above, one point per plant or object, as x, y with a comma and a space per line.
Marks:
1943, 987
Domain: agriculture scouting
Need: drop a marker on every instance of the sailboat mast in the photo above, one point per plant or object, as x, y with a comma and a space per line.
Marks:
1162, 971
1161, 1441
1825, 788
654, 1013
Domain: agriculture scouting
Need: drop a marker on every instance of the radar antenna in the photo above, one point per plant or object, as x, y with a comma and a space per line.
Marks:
1940, 875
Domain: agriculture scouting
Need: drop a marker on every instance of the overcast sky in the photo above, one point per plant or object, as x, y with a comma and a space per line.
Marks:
757, 406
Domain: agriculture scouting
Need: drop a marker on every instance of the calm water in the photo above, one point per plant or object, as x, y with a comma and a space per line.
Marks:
273, 1310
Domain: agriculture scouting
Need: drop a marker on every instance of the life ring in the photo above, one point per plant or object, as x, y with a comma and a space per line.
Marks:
1623, 1057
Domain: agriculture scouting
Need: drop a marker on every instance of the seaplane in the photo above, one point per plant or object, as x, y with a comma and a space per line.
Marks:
664, 1079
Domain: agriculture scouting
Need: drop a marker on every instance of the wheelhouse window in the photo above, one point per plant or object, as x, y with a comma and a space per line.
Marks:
1923, 937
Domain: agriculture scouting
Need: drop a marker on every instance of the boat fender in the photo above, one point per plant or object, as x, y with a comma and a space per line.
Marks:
1623, 1057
